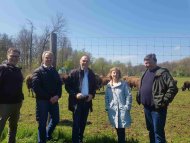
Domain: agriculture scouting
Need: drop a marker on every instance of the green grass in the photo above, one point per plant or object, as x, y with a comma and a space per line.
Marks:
98, 129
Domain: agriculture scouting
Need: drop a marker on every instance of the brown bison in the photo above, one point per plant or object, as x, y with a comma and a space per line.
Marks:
28, 80
186, 85
64, 78
101, 81
105, 81
133, 81
175, 81
98, 82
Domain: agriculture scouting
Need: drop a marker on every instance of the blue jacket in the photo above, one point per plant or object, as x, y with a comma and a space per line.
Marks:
46, 83
118, 100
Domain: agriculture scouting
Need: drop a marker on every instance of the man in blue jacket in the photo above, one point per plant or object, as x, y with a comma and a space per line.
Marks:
47, 86
157, 90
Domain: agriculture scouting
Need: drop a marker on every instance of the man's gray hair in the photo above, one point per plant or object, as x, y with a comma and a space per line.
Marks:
12, 49
46, 52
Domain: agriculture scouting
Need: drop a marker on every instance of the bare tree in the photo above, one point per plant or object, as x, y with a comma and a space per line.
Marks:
31, 42
64, 51
5, 43
23, 43
57, 26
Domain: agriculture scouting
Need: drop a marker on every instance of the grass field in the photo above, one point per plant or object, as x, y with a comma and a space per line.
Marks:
98, 129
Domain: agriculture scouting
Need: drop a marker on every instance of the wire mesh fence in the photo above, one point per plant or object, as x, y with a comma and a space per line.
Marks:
133, 49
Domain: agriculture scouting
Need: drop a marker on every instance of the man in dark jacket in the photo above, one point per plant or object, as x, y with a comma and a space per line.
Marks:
47, 86
157, 90
11, 95
81, 87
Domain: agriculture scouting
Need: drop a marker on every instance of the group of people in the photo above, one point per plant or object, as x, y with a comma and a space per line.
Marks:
157, 90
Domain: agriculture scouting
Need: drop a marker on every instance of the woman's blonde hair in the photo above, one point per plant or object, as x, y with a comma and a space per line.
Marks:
114, 69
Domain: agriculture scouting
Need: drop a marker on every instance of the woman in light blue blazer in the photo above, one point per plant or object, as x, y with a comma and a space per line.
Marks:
118, 100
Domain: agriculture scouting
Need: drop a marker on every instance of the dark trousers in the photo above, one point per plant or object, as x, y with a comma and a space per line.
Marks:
120, 135
43, 107
155, 122
80, 115
10, 112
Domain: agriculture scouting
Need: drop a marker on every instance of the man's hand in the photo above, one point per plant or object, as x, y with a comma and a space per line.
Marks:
89, 97
79, 96
54, 99
163, 105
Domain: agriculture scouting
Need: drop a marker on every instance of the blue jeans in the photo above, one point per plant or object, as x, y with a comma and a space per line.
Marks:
155, 123
10, 112
80, 115
43, 107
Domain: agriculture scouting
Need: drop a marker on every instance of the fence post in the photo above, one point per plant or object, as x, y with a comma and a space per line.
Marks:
53, 47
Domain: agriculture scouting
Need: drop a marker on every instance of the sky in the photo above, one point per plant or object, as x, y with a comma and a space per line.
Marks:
104, 26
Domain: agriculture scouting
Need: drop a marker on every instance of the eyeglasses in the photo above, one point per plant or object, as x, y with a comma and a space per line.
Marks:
85, 61
14, 56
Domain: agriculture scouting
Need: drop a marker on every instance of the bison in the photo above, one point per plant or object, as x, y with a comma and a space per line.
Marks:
133, 81
64, 78
28, 80
98, 82
186, 85
101, 81
105, 81
175, 82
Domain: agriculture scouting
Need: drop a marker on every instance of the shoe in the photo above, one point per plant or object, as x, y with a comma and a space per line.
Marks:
49, 138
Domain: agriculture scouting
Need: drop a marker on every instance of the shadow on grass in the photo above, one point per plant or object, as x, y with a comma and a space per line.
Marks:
107, 139
70, 123
100, 92
62, 137
3, 135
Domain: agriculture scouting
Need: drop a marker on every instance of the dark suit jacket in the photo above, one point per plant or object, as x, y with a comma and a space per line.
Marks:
73, 86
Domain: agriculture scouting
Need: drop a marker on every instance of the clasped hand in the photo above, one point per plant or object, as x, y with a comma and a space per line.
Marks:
54, 99
80, 96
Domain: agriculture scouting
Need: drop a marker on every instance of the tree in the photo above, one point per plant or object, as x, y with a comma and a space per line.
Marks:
122, 67
57, 25
64, 51
5, 43
31, 43
23, 42
101, 66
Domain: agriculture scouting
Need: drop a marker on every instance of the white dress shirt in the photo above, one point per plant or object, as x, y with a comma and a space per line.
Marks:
85, 90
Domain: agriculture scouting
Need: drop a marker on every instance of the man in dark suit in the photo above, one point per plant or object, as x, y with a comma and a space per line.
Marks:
81, 87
